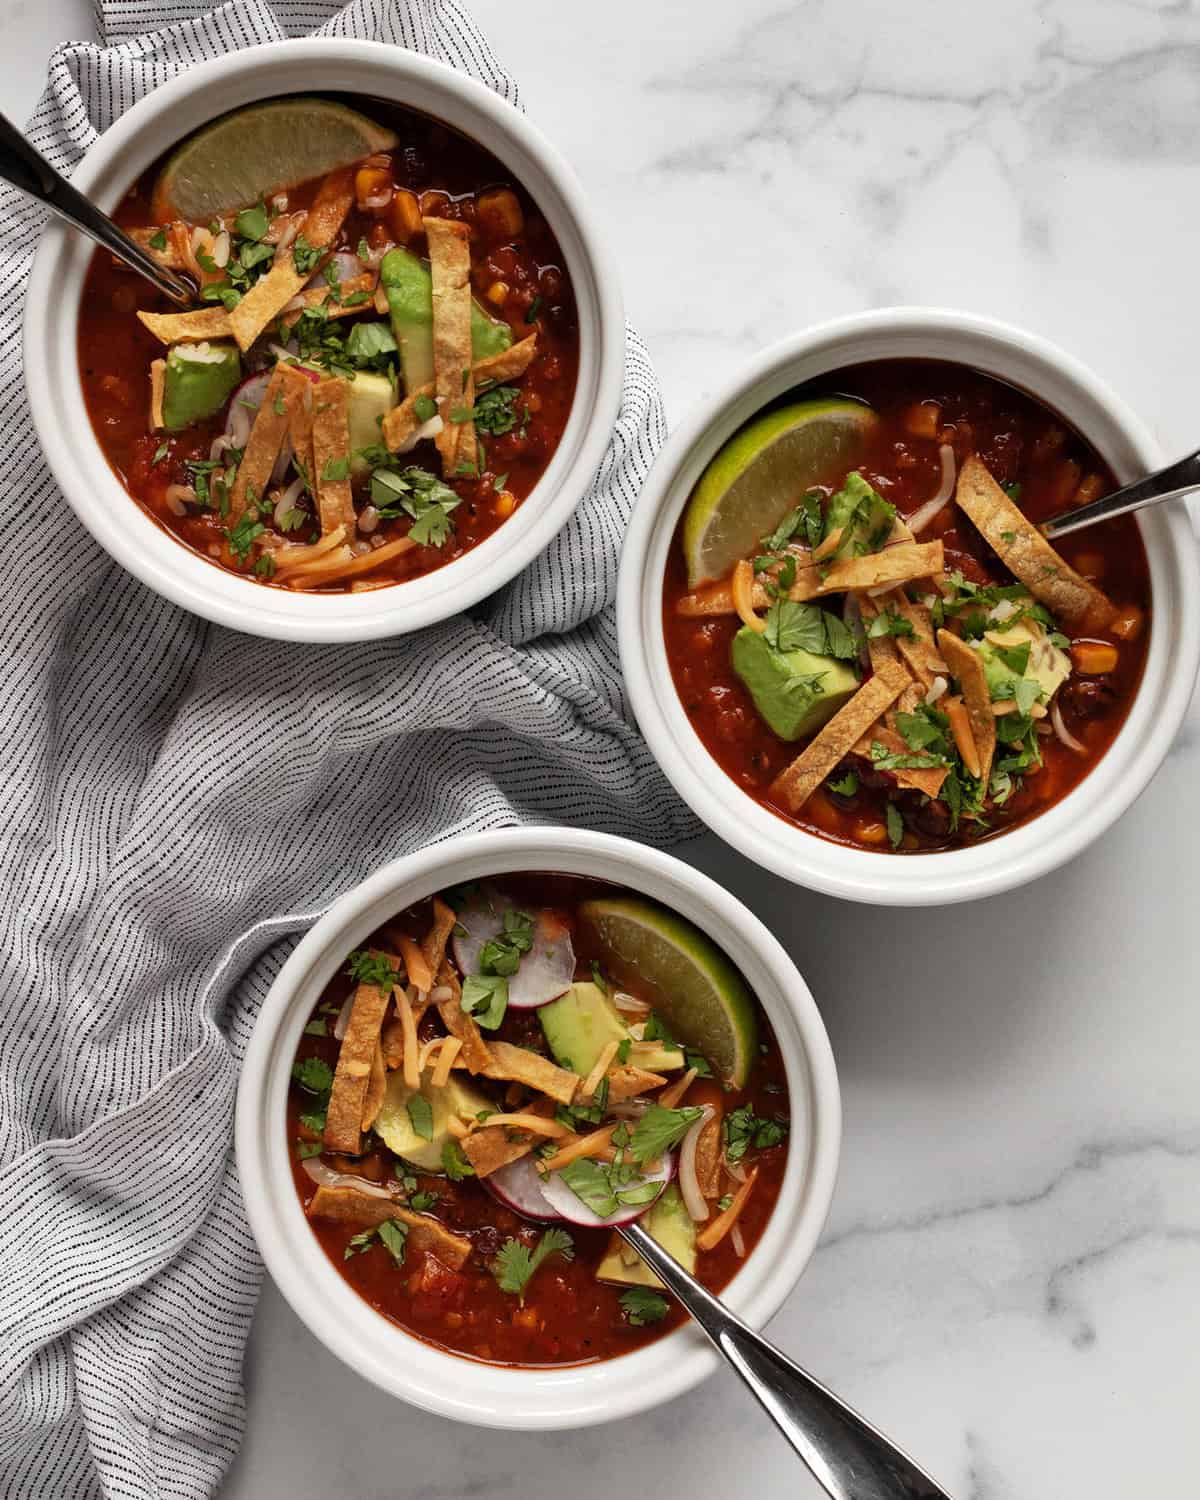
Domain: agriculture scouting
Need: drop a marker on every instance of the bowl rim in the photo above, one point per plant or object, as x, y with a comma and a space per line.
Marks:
449, 1384
117, 521
1068, 826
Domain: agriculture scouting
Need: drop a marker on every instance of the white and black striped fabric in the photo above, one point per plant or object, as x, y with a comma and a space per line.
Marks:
177, 803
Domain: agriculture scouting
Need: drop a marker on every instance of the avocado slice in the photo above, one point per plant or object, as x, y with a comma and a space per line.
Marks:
372, 396
864, 516
1025, 645
580, 1024
408, 285
795, 692
671, 1225
394, 1125
199, 379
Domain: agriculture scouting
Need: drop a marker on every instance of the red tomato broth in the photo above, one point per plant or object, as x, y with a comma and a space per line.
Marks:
116, 350
568, 1317
1021, 441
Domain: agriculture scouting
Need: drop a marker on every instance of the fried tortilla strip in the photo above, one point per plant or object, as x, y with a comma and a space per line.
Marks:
475, 1051
331, 456
882, 649
359, 289
345, 1204
918, 649
267, 298
1027, 554
898, 564
708, 1156
450, 268
158, 381
796, 783
300, 432
520, 1065
284, 390
433, 945
402, 421
352, 1076
376, 1088
967, 667
188, 327
927, 779
494, 1146
628, 1082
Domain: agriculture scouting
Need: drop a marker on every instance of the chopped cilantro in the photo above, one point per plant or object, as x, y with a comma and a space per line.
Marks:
421, 1203
845, 786
895, 824
243, 535
304, 255
455, 1163
252, 223
158, 240
316, 1027
424, 408
806, 627
335, 470
420, 1114
160, 453
516, 1263
371, 968
305, 1149
369, 345
659, 1129
314, 1075
643, 1306
889, 622
485, 997
743, 1129
494, 410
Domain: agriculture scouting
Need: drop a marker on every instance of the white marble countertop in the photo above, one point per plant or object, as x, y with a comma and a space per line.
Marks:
1010, 1278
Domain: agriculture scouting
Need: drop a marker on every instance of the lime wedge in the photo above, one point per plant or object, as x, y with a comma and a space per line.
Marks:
761, 473
260, 150
683, 974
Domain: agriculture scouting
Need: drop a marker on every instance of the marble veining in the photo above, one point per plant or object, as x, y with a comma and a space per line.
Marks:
1010, 1277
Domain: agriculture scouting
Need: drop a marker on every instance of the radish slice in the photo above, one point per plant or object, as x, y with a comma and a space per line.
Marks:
575, 1211
546, 971
519, 1187
243, 408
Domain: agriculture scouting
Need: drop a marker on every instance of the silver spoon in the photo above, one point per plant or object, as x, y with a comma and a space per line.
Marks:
29, 171
1166, 484
846, 1455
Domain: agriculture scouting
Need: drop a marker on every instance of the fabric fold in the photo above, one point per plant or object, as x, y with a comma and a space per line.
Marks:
180, 803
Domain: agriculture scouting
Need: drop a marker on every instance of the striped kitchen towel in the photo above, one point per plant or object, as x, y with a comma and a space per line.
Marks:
178, 803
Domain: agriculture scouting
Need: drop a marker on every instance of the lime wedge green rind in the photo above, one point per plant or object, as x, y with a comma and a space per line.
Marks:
685, 976
260, 150
762, 472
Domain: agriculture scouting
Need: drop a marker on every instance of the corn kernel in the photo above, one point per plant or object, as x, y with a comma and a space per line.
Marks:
506, 503
922, 420
405, 216
1128, 624
1091, 487
870, 831
499, 214
1090, 564
372, 187
1094, 658
497, 293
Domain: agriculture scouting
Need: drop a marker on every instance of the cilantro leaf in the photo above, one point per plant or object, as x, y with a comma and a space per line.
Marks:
420, 1114
485, 997
516, 1263
792, 626
304, 255
252, 223
743, 1129
455, 1163
494, 410
659, 1129
314, 1075
372, 968
895, 824
643, 1306
846, 786
394, 1236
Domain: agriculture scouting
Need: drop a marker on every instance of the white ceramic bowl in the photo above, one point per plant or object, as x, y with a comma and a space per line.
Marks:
1029, 850
169, 114
576, 1395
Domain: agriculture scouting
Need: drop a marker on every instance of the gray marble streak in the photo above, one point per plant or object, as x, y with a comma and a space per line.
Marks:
1011, 1271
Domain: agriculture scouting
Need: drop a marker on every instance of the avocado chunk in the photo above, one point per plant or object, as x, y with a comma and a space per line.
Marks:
864, 517
580, 1024
372, 396
198, 381
408, 285
671, 1225
1023, 663
795, 692
394, 1124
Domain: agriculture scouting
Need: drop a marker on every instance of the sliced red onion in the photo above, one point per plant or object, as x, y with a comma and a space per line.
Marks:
736, 1170
629, 1005
326, 1176
375, 256
738, 1243
368, 520
921, 518
343, 1020
689, 1183
1063, 733
936, 689
221, 246
178, 497
546, 971
629, 1109
290, 350
519, 1187
284, 459
244, 408
288, 501
380, 199
439, 993
425, 433
575, 1211
219, 446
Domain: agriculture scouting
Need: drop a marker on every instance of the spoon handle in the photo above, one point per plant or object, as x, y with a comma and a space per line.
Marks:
29, 171
1166, 484
844, 1453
